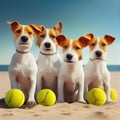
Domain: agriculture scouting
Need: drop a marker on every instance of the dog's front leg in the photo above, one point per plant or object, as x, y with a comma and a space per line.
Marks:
85, 90
60, 90
107, 88
13, 80
31, 99
81, 92
38, 83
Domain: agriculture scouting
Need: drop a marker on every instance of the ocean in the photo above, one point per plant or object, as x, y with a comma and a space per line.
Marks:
112, 68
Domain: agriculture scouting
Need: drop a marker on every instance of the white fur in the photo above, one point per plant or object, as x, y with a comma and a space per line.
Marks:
48, 65
23, 70
96, 72
47, 39
97, 48
71, 74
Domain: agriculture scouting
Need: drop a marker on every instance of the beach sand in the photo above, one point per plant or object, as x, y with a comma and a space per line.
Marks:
61, 111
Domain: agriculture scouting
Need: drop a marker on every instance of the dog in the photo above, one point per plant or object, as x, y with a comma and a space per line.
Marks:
49, 60
71, 75
23, 67
96, 72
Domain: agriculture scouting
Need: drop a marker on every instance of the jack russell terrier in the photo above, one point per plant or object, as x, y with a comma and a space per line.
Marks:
49, 61
96, 72
23, 67
71, 75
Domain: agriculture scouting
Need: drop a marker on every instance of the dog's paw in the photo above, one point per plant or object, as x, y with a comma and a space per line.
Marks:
110, 102
60, 101
31, 104
82, 101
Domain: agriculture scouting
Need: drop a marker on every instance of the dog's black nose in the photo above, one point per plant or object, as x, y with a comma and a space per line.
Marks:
69, 56
24, 38
98, 53
47, 45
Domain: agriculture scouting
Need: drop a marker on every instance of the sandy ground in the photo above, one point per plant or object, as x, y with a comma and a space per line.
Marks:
61, 111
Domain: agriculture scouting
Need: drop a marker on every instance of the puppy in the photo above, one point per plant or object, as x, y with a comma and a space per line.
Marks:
96, 72
49, 61
71, 75
23, 67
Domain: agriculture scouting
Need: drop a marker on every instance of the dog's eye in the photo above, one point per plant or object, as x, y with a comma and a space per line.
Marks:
103, 44
93, 44
52, 36
77, 48
18, 31
65, 47
30, 33
42, 36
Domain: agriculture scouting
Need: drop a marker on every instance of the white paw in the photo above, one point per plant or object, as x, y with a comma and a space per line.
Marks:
82, 101
60, 100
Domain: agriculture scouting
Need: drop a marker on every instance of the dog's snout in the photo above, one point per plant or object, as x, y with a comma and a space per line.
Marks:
69, 56
24, 38
47, 45
98, 53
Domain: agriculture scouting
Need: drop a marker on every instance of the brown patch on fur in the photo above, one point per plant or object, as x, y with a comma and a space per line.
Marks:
53, 34
63, 42
41, 36
29, 31
92, 43
109, 39
103, 44
17, 30
76, 46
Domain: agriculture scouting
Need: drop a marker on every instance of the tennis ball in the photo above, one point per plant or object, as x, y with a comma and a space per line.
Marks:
96, 96
113, 94
14, 98
46, 97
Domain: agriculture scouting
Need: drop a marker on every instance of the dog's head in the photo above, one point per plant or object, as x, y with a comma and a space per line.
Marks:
47, 38
98, 46
72, 49
23, 36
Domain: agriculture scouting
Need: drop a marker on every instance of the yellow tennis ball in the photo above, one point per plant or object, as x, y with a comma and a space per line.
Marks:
14, 98
113, 94
46, 97
96, 96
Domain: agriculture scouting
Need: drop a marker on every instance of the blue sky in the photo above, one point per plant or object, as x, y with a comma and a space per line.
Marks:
79, 17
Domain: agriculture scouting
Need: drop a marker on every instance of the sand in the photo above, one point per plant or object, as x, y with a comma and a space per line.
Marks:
61, 111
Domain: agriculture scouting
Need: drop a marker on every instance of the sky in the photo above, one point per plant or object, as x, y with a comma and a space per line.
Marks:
79, 17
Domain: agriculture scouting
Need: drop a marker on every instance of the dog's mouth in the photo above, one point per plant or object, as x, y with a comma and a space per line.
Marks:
68, 61
24, 44
97, 59
47, 49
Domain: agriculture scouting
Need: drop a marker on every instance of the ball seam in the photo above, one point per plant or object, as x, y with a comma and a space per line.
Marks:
45, 97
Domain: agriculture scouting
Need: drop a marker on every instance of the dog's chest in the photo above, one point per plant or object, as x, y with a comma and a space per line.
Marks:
72, 75
48, 67
23, 65
97, 72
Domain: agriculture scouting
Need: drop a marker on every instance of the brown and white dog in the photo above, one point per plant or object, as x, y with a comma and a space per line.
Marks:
71, 75
96, 72
49, 61
23, 67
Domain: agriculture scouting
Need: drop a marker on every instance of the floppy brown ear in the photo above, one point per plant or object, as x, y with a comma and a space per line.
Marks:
61, 39
13, 25
37, 29
109, 39
58, 27
84, 40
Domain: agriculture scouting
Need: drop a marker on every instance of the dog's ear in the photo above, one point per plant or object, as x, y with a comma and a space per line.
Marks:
84, 40
13, 25
109, 39
37, 29
61, 40
58, 27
